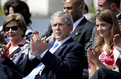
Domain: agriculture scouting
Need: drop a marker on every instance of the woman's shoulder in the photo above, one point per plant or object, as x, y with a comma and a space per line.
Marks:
25, 44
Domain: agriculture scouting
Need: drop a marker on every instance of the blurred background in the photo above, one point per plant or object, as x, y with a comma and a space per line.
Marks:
41, 11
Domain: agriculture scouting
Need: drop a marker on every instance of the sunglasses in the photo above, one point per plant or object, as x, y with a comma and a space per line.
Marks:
14, 28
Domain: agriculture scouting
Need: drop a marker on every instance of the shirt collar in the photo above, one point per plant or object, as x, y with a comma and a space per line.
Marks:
118, 14
62, 41
76, 23
22, 42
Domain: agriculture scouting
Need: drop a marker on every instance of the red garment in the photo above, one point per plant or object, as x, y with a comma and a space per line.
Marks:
23, 41
112, 59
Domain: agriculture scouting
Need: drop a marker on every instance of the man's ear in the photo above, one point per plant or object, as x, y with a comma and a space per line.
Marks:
81, 7
113, 6
71, 27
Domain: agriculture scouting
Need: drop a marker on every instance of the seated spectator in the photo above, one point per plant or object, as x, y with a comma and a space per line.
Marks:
22, 8
104, 53
16, 51
105, 73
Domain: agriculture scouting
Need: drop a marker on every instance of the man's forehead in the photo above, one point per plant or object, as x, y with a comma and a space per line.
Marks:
72, 1
102, 1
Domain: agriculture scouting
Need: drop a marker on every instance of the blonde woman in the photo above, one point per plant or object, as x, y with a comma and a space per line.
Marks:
16, 52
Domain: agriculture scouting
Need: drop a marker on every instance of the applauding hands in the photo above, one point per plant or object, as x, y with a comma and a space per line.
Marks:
117, 42
37, 44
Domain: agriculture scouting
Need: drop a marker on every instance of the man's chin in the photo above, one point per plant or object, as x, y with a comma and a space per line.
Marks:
58, 39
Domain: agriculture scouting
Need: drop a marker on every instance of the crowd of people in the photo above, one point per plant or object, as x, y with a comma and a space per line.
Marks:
76, 47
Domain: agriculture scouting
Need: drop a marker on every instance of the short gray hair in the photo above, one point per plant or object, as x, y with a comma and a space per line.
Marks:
68, 17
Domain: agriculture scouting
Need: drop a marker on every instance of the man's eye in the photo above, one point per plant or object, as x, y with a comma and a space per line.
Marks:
103, 25
69, 8
97, 25
60, 24
54, 25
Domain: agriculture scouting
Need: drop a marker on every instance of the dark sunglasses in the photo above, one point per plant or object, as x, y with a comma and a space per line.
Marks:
8, 28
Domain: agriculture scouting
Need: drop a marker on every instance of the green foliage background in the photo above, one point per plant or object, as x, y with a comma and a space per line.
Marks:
1, 12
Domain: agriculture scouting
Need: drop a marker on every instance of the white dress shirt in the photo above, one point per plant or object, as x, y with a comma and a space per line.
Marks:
76, 23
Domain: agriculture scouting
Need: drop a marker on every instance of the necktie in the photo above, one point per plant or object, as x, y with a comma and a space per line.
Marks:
53, 49
56, 45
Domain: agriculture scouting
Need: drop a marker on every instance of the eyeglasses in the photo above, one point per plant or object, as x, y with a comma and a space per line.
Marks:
8, 28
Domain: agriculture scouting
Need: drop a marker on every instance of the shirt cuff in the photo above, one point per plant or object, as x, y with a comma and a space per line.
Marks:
42, 55
31, 56
120, 58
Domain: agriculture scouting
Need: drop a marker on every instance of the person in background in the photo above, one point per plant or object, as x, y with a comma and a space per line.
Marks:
86, 9
104, 53
22, 8
6, 6
49, 34
3, 37
82, 28
6, 12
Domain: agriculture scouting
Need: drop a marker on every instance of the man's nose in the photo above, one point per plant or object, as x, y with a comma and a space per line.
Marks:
98, 9
66, 10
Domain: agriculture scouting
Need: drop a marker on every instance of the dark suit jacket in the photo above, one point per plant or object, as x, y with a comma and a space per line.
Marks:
83, 32
65, 63
8, 73
105, 73
24, 67
119, 17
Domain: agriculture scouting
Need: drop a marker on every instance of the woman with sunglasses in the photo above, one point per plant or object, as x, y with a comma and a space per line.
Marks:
15, 53
22, 8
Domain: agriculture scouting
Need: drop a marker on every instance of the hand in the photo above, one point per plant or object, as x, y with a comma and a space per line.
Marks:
33, 50
3, 53
2, 41
51, 39
117, 42
120, 26
93, 56
37, 43
88, 56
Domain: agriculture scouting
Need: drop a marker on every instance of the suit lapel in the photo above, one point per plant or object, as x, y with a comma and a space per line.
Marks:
63, 46
119, 18
17, 50
79, 27
60, 49
49, 45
